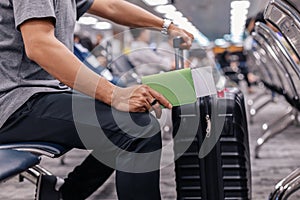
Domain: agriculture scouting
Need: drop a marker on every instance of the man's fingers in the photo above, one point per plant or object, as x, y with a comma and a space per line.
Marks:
148, 106
160, 98
191, 36
157, 109
187, 36
154, 105
187, 40
185, 46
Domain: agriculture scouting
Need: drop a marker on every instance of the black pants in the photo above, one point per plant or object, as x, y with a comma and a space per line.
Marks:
49, 118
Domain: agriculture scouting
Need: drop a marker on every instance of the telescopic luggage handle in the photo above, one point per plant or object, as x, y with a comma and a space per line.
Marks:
179, 62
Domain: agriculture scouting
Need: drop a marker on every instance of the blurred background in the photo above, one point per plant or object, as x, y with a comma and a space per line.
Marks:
222, 31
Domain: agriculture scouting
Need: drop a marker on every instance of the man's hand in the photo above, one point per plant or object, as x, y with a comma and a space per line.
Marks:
139, 98
187, 37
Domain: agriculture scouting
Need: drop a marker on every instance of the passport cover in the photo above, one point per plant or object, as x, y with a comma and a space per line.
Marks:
176, 86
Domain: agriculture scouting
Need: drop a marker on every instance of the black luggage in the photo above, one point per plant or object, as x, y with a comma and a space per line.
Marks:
224, 173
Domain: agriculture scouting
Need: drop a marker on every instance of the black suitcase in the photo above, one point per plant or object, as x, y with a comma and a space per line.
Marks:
211, 148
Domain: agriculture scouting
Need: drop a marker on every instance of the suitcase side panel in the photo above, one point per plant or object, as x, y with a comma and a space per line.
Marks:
225, 172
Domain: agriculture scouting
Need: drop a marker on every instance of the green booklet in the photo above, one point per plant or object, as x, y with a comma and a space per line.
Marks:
176, 86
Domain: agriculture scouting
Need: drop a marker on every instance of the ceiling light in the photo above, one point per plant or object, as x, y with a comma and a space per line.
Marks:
173, 15
102, 26
156, 2
180, 20
239, 11
185, 26
240, 4
202, 39
165, 9
88, 20
220, 42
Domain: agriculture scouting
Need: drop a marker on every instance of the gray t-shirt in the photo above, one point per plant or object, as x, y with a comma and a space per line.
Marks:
20, 77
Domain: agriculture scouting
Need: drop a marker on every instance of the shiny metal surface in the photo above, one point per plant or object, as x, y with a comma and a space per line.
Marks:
272, 66
288, 69
287, 186
281, 78
286, 19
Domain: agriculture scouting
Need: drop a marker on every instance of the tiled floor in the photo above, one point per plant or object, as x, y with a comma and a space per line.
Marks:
279, 157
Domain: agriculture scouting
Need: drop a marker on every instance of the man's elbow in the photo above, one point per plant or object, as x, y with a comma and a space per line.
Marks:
30, 53
34, 50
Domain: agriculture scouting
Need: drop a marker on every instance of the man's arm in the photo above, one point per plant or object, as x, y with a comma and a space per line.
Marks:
127, 14
42, 47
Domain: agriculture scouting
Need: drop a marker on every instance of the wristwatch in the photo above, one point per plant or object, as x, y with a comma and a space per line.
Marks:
166, 26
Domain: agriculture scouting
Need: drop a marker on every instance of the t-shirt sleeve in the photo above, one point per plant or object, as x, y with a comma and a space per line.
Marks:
83, 6
30, 9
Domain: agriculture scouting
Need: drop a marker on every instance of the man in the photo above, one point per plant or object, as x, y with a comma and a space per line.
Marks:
37, 70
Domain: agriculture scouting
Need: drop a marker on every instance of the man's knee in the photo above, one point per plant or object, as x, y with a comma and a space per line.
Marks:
145, 125
147, 137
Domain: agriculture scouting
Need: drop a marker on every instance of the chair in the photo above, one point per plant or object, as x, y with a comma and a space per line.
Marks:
287, 186
283, 64
285, 16
257, 63
23, 159
276, 63
288, 67
14, 162
267, 79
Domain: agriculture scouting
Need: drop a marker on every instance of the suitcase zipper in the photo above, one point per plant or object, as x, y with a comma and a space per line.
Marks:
208, 127
207, 117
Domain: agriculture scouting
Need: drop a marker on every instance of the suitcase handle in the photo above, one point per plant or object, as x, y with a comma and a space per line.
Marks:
179, 62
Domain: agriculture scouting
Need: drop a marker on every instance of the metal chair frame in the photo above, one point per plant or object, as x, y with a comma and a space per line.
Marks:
278, 53
285, 16
40, 149
287, 186
254, 60
268, 95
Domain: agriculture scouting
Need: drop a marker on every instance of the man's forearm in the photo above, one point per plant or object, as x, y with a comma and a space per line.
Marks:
64, 66
125, 13
73, 73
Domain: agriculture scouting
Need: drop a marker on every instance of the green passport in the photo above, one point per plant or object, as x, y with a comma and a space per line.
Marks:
176, 86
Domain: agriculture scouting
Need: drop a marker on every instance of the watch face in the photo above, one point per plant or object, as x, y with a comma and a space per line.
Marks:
167, 22
166, 25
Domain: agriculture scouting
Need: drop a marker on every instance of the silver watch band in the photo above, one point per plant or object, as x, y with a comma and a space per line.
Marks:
166, 26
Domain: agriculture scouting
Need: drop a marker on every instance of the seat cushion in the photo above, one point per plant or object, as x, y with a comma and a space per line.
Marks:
39, 148
13, 162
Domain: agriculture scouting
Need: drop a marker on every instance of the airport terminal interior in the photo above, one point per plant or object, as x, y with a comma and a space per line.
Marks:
234, 130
